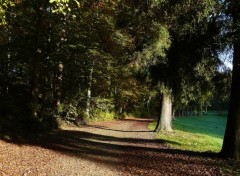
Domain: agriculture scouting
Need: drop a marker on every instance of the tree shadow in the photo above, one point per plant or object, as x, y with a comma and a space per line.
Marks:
133, 155
137, 120
126, 131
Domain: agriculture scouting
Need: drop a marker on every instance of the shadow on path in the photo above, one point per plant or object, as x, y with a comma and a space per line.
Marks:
104, 128
132, 155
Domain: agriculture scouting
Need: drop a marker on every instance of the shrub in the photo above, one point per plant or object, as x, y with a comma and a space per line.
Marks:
99, 115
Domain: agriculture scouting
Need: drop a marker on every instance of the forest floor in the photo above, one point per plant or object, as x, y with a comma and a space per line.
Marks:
123, 147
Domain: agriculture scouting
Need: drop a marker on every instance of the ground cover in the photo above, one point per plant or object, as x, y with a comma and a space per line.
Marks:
196, 133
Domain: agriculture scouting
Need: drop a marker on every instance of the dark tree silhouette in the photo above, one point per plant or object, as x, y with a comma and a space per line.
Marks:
231, 144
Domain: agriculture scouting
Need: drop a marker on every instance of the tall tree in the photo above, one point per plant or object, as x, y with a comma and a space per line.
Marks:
189, 62
40, 6
231, 143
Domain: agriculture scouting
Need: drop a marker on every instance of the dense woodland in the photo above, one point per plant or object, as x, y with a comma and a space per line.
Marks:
87, 60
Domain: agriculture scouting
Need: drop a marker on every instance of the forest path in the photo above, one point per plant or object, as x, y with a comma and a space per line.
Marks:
122, 147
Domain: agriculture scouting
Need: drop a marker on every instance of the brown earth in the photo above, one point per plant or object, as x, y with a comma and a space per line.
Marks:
123, 147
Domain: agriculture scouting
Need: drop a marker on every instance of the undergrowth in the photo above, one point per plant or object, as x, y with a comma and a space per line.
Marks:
101, 116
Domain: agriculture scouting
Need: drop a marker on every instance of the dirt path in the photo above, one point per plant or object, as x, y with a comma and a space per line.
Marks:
122, 147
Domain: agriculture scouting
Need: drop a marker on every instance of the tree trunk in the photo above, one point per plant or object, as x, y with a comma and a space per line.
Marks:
206, 108
182, 111
6, 88
187, 111
173, 113
201, 109
88, 103
148, 105
37, 59
166, 114
231, 143
157, 128
59, 84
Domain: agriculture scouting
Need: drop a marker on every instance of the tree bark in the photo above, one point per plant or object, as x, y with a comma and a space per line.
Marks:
157, 128
166, 115
148, 105
201, 109
206, 108
231, 143
173, 113
88, 103
187, 111
165, 122
59, 84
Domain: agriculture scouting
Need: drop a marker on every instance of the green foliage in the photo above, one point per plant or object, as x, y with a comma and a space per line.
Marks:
155, 49
107, 48
103, 104
222, 85
70, 112
99, 116
189, 15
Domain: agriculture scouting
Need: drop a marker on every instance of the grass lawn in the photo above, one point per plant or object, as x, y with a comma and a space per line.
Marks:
197, 133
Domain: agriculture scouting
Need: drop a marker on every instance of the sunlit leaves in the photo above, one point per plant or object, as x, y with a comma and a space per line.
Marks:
62, 6
4, 5
162, 42
122, 39
189, 14
154, 51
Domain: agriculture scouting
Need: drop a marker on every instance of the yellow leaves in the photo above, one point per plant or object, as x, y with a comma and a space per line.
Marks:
63, 6
59, 1
3, 6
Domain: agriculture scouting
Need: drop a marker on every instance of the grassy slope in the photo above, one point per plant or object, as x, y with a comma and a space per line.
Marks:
203, 133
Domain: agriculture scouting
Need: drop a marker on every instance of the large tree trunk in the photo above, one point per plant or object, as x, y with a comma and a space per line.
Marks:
166, 114
231, 143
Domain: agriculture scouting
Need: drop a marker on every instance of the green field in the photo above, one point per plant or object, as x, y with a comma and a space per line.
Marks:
197, 133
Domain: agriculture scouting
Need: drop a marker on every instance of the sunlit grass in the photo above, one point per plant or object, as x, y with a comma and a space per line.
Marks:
204, 133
